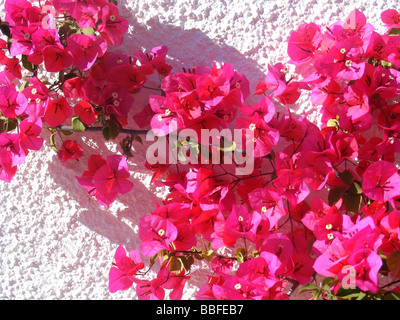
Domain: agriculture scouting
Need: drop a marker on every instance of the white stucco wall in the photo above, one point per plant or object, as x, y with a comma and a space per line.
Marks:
55, 242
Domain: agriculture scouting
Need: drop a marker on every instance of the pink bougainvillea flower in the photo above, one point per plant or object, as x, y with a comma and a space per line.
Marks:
269, 204
343, 61
95, 162
316, 169
112, 177
57, 111
84, 12
391, 18
30, 130
69, 150
112, 27
358, 103
13, 69
22, 40
153, 61
72, 88
106, 178
241, 224
381, 181
116, 100
326, 92
292, 186
357, 248
150, 289
12, 103
14, 11
86, 112
304, 42
186, 238
125, 267
376, 46
156, 233
127, 76
10, 149
85, 49
56, 58
355, 21
257, 131
327, 227
38, 97
7, 171
173, 281
392, 45
143, 118
221, 266
212, 89
317, 211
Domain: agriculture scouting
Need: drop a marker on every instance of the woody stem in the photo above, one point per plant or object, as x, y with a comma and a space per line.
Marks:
123, 130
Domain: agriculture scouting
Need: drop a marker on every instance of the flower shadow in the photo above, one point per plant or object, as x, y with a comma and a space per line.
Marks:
185, 47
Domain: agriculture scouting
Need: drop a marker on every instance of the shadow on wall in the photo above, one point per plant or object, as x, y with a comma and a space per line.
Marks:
190, 48
187, 48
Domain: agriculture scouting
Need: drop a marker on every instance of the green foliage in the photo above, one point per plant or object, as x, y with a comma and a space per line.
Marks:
77, 124
393, 263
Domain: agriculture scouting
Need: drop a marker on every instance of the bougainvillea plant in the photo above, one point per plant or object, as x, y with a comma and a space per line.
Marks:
312, 207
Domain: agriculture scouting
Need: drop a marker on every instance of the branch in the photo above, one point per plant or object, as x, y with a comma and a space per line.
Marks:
128, 131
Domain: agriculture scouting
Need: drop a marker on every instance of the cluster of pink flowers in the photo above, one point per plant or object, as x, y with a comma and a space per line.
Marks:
319, 201
93, 86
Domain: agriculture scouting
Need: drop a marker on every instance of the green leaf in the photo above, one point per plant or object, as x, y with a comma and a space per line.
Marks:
347, 293
335, 194
175, 264
352, 202
381, 254
66, 132
138, 139
187, 261
126, 146
5, 30
52, 142
329, 281
208, 255
308, 287
7, 124
393, 262
355, 188
394, 32
27, 65
361, 296
111, 130
24, 85
240, 254
317, 294
88, 31
255, 253
347, 177
153, 259
77, 124
182, 155
391, 295
386, 64
230, 148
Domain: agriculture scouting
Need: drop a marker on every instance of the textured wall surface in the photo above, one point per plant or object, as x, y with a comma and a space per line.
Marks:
55, 242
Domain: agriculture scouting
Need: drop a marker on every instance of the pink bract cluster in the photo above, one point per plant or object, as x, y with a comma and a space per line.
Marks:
319, 201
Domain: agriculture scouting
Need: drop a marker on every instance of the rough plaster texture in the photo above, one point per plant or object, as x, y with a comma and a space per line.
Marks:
55, 242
